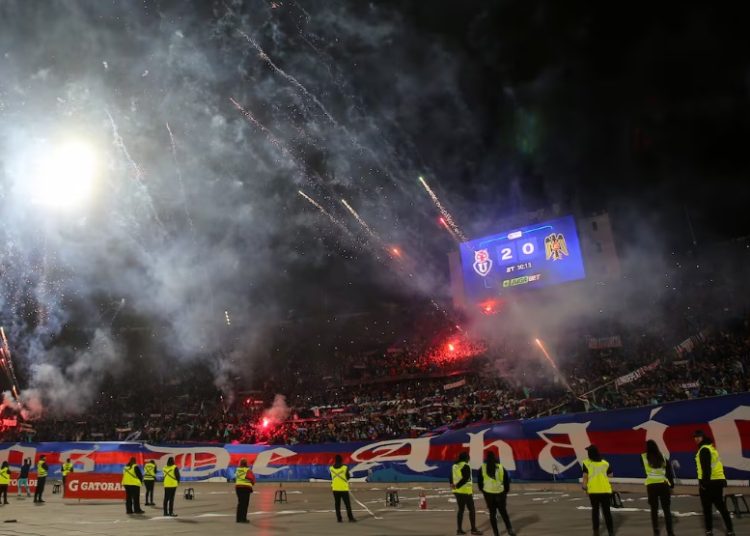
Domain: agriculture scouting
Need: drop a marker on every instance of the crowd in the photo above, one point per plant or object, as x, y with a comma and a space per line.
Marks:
400, 392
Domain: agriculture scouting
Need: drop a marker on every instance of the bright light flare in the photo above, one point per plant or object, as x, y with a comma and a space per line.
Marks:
396, 252
265, 422
63, 176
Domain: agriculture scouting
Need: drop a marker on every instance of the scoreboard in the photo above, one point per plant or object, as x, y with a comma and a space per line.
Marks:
534, 256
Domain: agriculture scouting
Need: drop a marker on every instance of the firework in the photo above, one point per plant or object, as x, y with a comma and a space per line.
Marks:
179, 178
448, 219
362, 222
451, 231
327, 214
554, 366
271, 137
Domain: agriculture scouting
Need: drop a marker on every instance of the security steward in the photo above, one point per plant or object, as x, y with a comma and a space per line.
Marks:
659, 483
149, 477
4, 482
244, 479
66, 469
463, 489
131, 480
41, 478
171, 480
711, 482
340, 486
494, 482
596, 473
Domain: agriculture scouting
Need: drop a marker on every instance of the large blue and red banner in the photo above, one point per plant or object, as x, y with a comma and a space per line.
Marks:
536, 449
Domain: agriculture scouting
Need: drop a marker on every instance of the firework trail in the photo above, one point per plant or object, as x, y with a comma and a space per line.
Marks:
188, 216
120, 144
299, 86
289, 78
362, 222
449, 222
273, 139
554, 366
330, 216
450, 231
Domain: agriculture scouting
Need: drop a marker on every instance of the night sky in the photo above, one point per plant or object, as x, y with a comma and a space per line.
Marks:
209, 118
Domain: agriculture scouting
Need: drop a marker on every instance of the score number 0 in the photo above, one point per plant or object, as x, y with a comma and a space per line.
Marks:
508, 253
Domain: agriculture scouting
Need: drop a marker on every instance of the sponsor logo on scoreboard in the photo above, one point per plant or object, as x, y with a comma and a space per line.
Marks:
482, 262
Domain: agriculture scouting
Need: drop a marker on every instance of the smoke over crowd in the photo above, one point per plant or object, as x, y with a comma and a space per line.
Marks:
207, 119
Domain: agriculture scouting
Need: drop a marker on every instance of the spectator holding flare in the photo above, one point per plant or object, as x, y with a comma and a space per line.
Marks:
494, 482
149, 477
711, 483
244, 480
659, 483
4, 481
23, 478
171, 480
596, 473
340, 485
463, 489
131, 479
41, 478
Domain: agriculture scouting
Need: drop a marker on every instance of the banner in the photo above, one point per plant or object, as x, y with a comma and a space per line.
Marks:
532, 450
637, 373
94, 486
454, 385
603, 343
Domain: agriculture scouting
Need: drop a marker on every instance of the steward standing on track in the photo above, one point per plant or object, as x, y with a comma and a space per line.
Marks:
463, 489
171, 480
659, 484
4, 481
494, 482
340, 487
244, 479
131, 479
149, 477
66, 469
41, 478
596, 483
711, 482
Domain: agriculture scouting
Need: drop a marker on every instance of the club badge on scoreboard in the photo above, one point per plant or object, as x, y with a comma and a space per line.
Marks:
482, 262
555, 246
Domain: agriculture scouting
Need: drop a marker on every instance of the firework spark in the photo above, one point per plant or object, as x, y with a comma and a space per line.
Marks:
449, 221
554, 366
362, 222
185, 203
327, 214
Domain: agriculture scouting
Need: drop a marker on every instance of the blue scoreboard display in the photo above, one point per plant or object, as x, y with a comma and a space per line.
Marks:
535, 256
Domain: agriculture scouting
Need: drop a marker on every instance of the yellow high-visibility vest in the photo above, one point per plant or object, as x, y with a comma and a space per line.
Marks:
40, 470
717, 468
339, 482
130, 477
67, 468
170, 480
493, 485
598, 479
149, 471
654, 475
4, 476
240, 477
466, 489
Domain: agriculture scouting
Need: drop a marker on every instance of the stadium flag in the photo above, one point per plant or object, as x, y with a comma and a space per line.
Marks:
637, 373
454, 385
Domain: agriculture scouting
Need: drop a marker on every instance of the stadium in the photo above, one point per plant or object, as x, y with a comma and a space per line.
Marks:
437, 269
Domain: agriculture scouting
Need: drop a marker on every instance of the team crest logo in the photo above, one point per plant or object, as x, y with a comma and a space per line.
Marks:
482, 262
555, 247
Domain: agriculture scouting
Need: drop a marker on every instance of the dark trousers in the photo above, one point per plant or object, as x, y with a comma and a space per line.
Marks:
712, 494
40, 482
339, 496
243, 502
132, 499
4, 493
601, 500
660, 493
465, 501
169, 494
496, 502
149, 491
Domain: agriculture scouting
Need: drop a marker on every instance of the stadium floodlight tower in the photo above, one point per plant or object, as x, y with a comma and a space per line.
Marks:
62, 177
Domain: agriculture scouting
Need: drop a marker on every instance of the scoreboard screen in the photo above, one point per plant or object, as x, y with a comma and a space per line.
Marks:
535, 256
